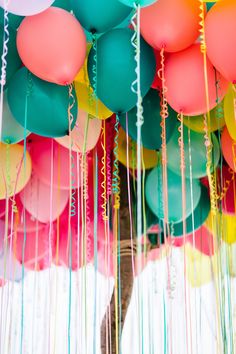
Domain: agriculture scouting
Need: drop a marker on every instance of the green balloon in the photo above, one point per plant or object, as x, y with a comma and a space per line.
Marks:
47, 108
99, 16
197, 159
115, 69
14, 21
151, 128
12, 131
12, 57
63, 4
142, 3
154, 194
195, 221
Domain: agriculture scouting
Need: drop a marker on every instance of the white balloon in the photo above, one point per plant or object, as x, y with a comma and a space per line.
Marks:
25, 7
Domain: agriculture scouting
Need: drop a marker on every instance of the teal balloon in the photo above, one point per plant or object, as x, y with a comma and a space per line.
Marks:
209, 5
63, 4
151, 128
115, 69
195, 221
154, 194
12, 131
46, 109
197, 160
99, 16
142, 3
12, 57
14, 21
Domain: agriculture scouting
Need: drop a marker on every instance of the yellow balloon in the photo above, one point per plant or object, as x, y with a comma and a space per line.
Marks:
223, 226
197, 123
230, 111
85, 95
200, 268
150, 157
15, 171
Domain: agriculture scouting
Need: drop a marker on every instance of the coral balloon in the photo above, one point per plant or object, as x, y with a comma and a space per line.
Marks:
25, 7
154, 194
52, 45
47, 153
229, 149
99, 16
15, 169
12, 131
220, 28
230, 112
43, 202
81, 140
185, 82
115, 61
171, 24
217, 120
46, 104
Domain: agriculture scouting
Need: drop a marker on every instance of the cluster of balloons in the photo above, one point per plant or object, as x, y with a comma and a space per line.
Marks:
62, 90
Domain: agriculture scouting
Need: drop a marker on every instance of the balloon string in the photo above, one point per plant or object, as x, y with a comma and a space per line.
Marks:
103, 172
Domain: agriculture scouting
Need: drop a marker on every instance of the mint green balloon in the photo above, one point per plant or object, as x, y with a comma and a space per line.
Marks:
154, 194
12, 131
197, 159
99, 15
142, 3
14, 21
63, 4
115, 69
12, 58
47, 108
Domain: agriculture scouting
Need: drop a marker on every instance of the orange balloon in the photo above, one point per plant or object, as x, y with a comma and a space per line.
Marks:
171, 24
78, 134
185, 82
52, 45
229, 149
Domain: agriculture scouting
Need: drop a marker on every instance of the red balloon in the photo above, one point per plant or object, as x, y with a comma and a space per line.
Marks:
184, 73
228, 182
157, 83
220, 29
229, 149
171, 24
52, 45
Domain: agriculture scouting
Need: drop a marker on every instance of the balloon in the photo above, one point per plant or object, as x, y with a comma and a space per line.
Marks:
47, 153
171, 24
43, 202
10, 268
63, 4
154, 194
150, 158
229, 183
25, 7
45, 111
14, 21
230, 112
217, 120
115, 61
157, 83
224, 226
78, 134
196, 158
220, 24
184, 68
151, 128
39, 246
15, 169
228, 149
142, 3
12, 132
52, 45
12, 57
195, 220
99, 16
209, 5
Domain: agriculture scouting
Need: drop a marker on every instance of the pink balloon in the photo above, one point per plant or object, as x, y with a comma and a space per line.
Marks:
52, 45
47, 156
171, 24
39, 248
185, 82
220, 27
2, 207
203, 241
42, 202
78, 133
25, 7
